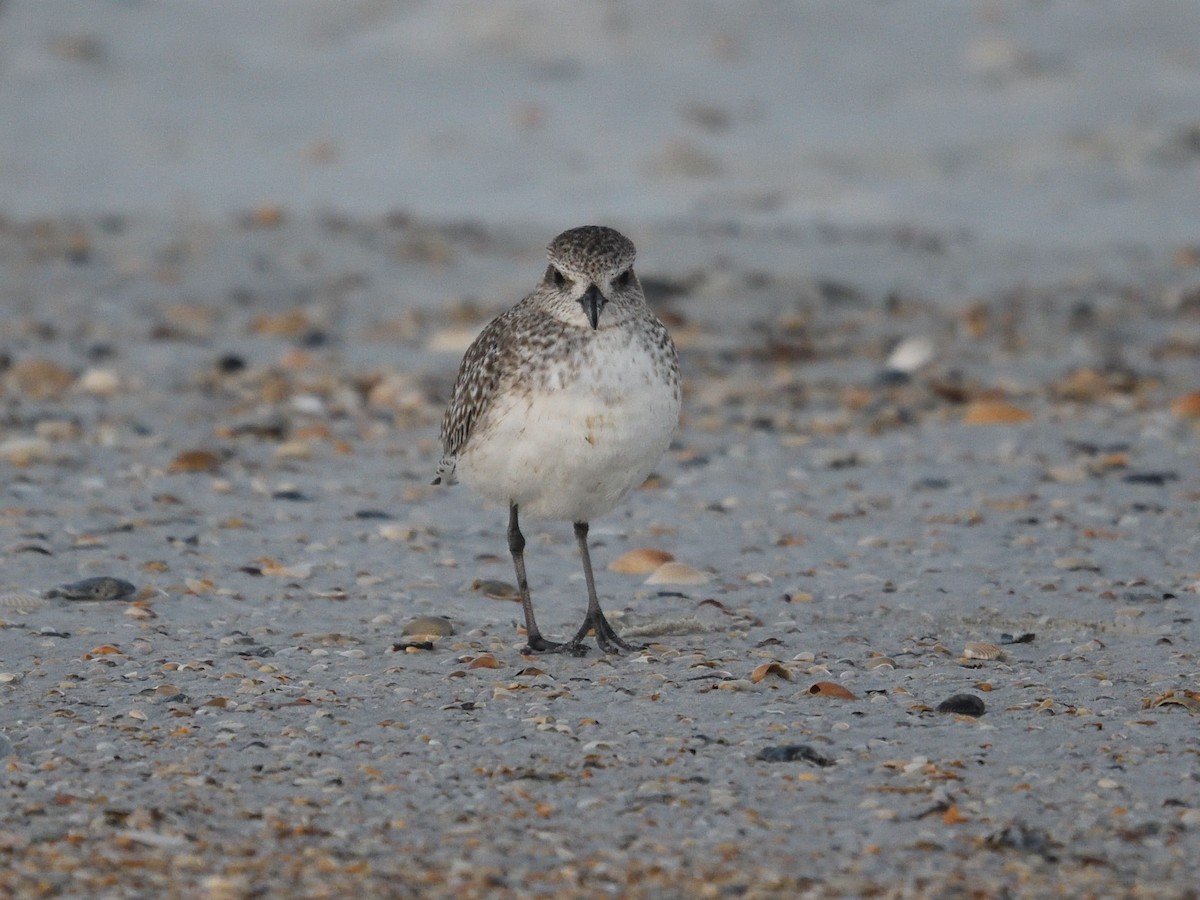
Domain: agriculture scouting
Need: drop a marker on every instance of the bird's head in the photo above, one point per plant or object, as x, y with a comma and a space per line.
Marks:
591, 272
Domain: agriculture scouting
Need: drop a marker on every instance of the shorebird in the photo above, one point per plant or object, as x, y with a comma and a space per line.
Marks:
564, 404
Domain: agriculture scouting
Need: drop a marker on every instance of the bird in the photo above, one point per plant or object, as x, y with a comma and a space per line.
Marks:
564, 404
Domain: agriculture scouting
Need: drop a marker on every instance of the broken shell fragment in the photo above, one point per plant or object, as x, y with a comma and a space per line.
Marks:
771, 668
642, 561
909, 355
677, 573
981, 650
487, 661
831, 689
429, 627
495, 590
994, 412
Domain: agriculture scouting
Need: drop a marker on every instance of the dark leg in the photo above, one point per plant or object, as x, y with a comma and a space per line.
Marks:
608, 640
516, 545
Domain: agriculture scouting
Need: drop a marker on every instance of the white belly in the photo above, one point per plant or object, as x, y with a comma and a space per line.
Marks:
572, 452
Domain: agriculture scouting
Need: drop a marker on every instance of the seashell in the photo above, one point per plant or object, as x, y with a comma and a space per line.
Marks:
1189, 700
103, 650
676, 573
397, 391
412, 646
954, 816
274, 568
1187, 406
642, 561
55, 430
39, 379
20, 602
394, 531
195, 461
910, 354
290, 324
99, 382
1084, 385
994, 412
24, 451
831, 689
429, 627
495, 590
981, 650
769, 668
733, 685
295, 449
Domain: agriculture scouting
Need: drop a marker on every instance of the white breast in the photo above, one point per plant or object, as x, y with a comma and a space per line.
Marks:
574, 449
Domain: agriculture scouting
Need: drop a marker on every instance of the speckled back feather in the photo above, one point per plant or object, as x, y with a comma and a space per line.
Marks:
478, 377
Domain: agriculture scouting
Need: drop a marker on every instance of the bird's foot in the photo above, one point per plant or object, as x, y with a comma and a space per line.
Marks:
538, 644
606, 638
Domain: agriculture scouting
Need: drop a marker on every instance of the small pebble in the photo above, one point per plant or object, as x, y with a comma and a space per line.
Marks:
791, 753
1155, 479
962, 704
372, 514
1019, 836
291, 494
101, 587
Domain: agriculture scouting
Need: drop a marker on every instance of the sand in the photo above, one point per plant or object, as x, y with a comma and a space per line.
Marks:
934, 275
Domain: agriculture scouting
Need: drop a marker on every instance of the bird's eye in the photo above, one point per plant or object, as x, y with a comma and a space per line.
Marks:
625, 278
555, 277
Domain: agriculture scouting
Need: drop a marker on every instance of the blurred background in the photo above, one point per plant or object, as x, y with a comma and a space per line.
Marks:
1075, 123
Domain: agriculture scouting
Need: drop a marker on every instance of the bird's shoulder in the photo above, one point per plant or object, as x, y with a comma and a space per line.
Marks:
499, 351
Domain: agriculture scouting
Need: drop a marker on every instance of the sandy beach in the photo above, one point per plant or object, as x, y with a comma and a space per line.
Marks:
926, 626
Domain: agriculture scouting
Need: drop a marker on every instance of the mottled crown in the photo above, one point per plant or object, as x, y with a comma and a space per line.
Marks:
592, 250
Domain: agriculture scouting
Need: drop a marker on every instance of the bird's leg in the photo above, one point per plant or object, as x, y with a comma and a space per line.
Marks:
516, 545
607, 639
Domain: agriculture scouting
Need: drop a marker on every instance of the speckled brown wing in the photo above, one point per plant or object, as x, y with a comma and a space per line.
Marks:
478, 377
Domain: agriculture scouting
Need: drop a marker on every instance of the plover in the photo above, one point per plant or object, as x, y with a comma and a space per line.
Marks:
564, 404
